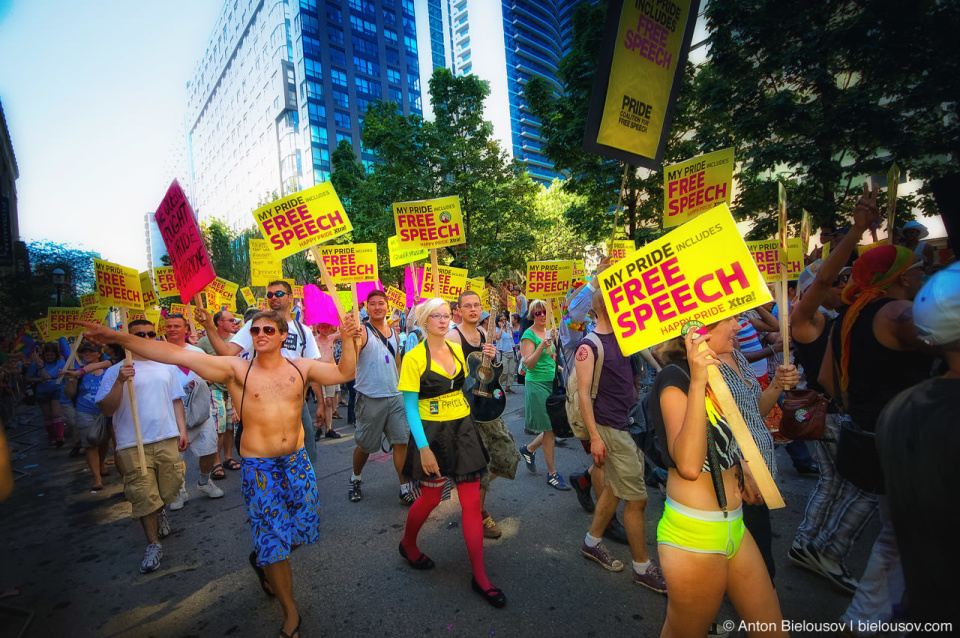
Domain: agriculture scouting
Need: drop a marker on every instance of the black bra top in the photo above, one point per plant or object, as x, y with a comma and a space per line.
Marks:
433, 384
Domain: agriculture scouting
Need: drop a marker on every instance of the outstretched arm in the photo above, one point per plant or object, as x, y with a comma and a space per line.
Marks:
212, 368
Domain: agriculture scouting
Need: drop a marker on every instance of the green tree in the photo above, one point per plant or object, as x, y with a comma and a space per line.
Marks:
553, 236
823, 94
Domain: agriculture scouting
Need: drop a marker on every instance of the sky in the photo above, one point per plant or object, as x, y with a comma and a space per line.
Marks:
94, 93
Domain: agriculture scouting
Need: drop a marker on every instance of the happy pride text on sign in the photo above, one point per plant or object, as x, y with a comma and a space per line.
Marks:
304, 219
181, 235
429, 223
701, 271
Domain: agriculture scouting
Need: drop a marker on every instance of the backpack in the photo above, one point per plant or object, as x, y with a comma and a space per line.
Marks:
573, 396
197, 404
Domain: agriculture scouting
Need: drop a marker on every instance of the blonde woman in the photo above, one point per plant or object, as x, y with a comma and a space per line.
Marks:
539, 355
443, 442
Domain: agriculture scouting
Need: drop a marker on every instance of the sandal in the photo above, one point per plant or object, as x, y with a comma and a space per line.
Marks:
261, 576
296, 630
336, 415
217, 473
231, 464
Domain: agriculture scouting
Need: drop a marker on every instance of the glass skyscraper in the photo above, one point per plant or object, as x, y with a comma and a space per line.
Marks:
281, 84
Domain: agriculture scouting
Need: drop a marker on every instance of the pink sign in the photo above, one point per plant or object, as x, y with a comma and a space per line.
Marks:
364, 288
412, 297
318, 307
181, 235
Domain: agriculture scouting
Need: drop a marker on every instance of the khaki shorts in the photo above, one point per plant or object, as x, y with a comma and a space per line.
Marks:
160, 485
504, 455
623, 468
203, 439
379, 416
330, 391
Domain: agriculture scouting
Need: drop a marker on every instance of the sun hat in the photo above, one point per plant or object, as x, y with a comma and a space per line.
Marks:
936, 308
916, 226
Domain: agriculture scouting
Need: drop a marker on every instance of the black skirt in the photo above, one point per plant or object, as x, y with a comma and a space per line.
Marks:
457, 447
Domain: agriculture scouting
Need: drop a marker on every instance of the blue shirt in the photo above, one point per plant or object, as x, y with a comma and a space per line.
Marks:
87, 387
53, 369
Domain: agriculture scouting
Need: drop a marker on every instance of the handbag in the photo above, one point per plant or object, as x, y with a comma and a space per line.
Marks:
556, 406
857, 458
804, 415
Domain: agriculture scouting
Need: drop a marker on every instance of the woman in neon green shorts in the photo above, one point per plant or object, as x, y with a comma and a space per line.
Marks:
705, 551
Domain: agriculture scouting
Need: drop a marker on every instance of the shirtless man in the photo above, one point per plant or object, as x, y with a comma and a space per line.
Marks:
279, 485
326, 336
504, 456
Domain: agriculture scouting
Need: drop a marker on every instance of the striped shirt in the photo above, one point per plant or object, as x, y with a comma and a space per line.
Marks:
750, 342
747, 399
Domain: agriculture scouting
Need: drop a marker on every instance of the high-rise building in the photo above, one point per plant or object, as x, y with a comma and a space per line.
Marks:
9, 220
281, 83
156, 249
505, 42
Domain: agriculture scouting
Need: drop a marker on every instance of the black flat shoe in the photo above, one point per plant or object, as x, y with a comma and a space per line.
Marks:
296, 630
493, 596
421, 563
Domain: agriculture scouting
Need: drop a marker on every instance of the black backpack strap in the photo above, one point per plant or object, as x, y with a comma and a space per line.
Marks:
303, 339
243, 392
303, 382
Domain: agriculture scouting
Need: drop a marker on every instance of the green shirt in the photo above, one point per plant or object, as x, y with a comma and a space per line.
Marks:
546, 366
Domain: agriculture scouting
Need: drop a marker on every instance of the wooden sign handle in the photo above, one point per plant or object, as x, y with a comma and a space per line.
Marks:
73, 357
436, 272
784, 317
328, 282
133, 404
748, 447
356, 312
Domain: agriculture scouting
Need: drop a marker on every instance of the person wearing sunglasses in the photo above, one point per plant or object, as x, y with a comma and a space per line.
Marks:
298, 343
163, 429
279, 483
540, 359
836, 509
444, 443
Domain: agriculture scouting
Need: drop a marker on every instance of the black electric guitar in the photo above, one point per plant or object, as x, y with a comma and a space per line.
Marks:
482, 386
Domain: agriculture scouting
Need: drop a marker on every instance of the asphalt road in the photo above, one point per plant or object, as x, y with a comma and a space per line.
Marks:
75, 556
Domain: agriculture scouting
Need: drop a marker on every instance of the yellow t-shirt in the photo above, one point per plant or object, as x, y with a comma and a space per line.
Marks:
447, 407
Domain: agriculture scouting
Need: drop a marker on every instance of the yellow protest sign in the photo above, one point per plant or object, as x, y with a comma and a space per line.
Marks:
350, 263
146, 287
702, 271
297, 291
94, 314
262, 304
826, 250
89, 300
62, 322
695, 186
579, 272
452, 282
304, 219
265, 265
619, 249
863, 249
396, 298
475, 284
766, 257
548, 279
43, 328
511, 303
225, 292
180, 309
640, 70
556, 309
166, 282
429, 223
805, 225
248, 296
117, 285
400, 255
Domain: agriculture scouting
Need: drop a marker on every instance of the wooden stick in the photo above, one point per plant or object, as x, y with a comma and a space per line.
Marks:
328, 282
74, 349
748, 447
616, 211
133, 404
356, 312
784, 317
893, 181
436, 272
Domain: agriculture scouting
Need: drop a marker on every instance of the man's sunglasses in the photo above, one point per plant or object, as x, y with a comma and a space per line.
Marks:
280, 294
146, 335
267, 330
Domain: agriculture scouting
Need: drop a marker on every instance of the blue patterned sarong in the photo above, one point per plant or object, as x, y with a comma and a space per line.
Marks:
283, 503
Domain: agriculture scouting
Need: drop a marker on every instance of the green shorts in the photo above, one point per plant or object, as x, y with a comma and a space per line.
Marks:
700, 531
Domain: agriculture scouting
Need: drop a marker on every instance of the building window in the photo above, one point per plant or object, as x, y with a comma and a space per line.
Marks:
393, 75
335, 34
393, 56
337, 56
311, 46
342, 119
362, 105
338, 77
318, 113
370, 87
389, 18
396, 95
318, 135
320, 177
310, 23
413, 81
341, 99
334, 14
309, 5
362, 45
390, 36
366, 66
321, 158
313, 68
341, 137
410, 44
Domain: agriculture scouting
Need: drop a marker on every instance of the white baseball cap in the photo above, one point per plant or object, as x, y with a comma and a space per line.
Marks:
936, 308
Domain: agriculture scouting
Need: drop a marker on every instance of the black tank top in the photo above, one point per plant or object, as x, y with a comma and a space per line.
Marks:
467, 347
433, 384
810, 355
877, 373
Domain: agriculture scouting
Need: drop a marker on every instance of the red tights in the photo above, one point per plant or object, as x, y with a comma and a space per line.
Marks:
471, 521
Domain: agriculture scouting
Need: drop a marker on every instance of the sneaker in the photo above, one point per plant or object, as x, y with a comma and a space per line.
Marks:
602, 556
182, 499
332, 434
652, 579
210, 490
317, 435
355, 494
809, 470
151, 558
556, 482
163, 526
406, 498
836, 573
616, 532
583, 493
490, 528
529, 458
717, 631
